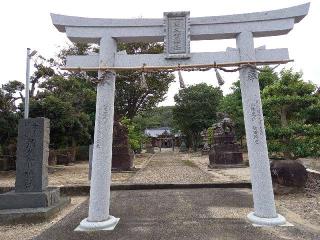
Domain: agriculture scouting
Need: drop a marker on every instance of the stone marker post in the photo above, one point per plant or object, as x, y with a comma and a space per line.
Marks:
31, 196
263, 198
98, 217
32, 155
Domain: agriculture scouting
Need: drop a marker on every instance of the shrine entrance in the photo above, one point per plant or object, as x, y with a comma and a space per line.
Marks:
176, 30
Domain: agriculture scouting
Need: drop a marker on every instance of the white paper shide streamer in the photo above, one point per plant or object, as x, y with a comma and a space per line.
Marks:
182, 85
219, 78
143, 81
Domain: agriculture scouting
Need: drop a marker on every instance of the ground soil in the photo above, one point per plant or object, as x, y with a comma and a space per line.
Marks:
77, 173
30, 230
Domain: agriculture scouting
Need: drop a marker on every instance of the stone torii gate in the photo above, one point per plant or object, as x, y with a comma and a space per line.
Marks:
176, 30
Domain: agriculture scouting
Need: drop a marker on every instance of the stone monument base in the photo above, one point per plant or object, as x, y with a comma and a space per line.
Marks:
107, 225
260, 221
16, 200
123, 161
26, 206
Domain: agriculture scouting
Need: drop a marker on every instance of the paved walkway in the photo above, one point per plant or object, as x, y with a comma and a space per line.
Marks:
171, 167
191, 214
200, 214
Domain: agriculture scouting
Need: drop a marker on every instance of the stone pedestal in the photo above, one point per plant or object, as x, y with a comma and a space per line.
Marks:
122, 154
225, 150
183, 145
149, 148
205, 150
17, 200
31, 188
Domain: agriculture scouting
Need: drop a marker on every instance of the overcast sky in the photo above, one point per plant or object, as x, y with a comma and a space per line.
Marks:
28, 24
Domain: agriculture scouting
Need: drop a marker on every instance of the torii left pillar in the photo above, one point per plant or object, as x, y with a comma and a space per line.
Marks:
99, 203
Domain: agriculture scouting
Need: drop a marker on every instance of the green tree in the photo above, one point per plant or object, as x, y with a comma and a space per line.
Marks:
156, 117
135, 135
131, 98
313, 112
8, 118
285, 103
232, 103
195, 110
70, 105
68, 99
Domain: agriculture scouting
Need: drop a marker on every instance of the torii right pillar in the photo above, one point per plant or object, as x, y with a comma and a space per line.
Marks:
263, 197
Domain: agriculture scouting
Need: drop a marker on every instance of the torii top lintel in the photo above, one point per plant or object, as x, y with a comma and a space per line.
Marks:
261, 24
176, 30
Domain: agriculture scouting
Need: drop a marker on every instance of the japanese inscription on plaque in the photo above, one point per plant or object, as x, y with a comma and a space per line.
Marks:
177, 34
32, 155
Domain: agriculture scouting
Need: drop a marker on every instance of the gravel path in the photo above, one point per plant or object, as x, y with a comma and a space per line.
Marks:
221, 175
76, 174
171, 167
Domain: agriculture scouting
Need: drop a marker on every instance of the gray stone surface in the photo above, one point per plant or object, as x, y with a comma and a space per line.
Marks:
189, 214
261, 24
31, 195
18, 200
23, 215
268, 23
264, 205
90, 160
32, 155
103, 132
137, 60
177, 38
225, 150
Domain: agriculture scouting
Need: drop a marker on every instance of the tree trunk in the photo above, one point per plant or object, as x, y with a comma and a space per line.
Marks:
73, 150
284, 123
194, 142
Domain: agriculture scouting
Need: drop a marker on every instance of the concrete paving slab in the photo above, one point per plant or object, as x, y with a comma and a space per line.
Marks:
170, 214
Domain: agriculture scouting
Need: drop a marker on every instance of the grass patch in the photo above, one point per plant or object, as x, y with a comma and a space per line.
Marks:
189, 163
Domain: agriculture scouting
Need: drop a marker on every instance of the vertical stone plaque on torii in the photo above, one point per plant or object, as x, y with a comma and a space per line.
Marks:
177, 34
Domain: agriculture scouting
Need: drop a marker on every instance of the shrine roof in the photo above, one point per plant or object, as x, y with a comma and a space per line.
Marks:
155, 132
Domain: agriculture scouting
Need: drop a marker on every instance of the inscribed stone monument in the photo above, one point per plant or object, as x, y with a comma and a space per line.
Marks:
31, 188
32, 155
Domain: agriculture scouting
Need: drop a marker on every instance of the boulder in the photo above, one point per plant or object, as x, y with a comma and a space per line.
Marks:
289, 173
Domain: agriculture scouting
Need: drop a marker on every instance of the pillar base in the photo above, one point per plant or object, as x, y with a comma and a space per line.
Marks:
107, 225
277, 221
